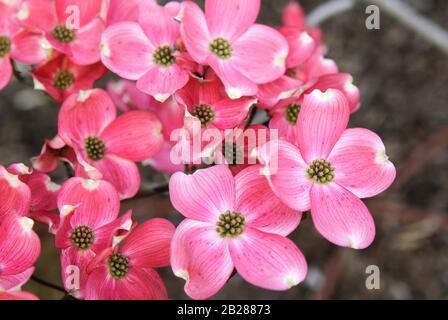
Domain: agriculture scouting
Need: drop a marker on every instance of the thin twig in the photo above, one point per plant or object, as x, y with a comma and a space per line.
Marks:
47, 284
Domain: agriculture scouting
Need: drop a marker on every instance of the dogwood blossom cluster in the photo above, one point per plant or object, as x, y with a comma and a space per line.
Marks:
190, 83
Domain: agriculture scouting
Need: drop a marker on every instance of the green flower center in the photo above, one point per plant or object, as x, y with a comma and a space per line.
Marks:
230, 224
63, 34
118, 266
163, 56
233, 153
204, 113
221, 48
95, 148
292, 113
321, 171
63, 79
5, 46
82, 237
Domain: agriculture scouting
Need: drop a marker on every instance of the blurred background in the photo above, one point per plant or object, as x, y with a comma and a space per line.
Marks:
404, 85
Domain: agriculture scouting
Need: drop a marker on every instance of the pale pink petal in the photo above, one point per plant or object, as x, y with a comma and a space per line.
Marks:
271, 93
261, 207
139, 284
15, 281
86, 47
260, 66
231, 18
195, 32
15, 196
27, 47
96, 202
322, 119
201, 257
5, 72
361, 164
169, 80
301, 46
135, 135
268, 260
87, 10
341, 217
126, 50
122, 173
158, 24
40, 14
19, 245
148, 245
294, 16
286, 173
344, 83
205, 194
123, 10
237, 85
231, 113
85, 114
162, 161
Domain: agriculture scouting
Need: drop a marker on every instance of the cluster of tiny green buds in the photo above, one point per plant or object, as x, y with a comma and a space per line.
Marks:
321, 171
95, 148
163, 56
292, 113
82, 237
221, 48
5, 46
118, 266
63, 34
204, 113
63, 79
230, 224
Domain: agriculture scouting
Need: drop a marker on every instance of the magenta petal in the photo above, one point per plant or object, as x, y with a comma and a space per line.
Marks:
27, 48
72, 257
322, 119
261, 207
286, 173
230, 18
126, 50
96, 202
148, 245
169, 80
88, 10
85, 114
15, 280
361, 164
135, 135
268, 260
195, 32
122, 173
293, 16
19, 245
15, 196
260, 54
341, 217
139, 284
205, 194
201, 257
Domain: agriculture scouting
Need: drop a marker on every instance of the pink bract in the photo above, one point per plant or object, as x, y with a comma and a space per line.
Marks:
205, 257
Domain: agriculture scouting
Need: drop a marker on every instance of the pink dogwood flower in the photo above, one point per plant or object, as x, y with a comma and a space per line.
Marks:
15, 195
89, 221
232, 222
19, 250
88, 123
242, 54
72, 27
146, 50
60, 77
126, 272
22, 45
329, 169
